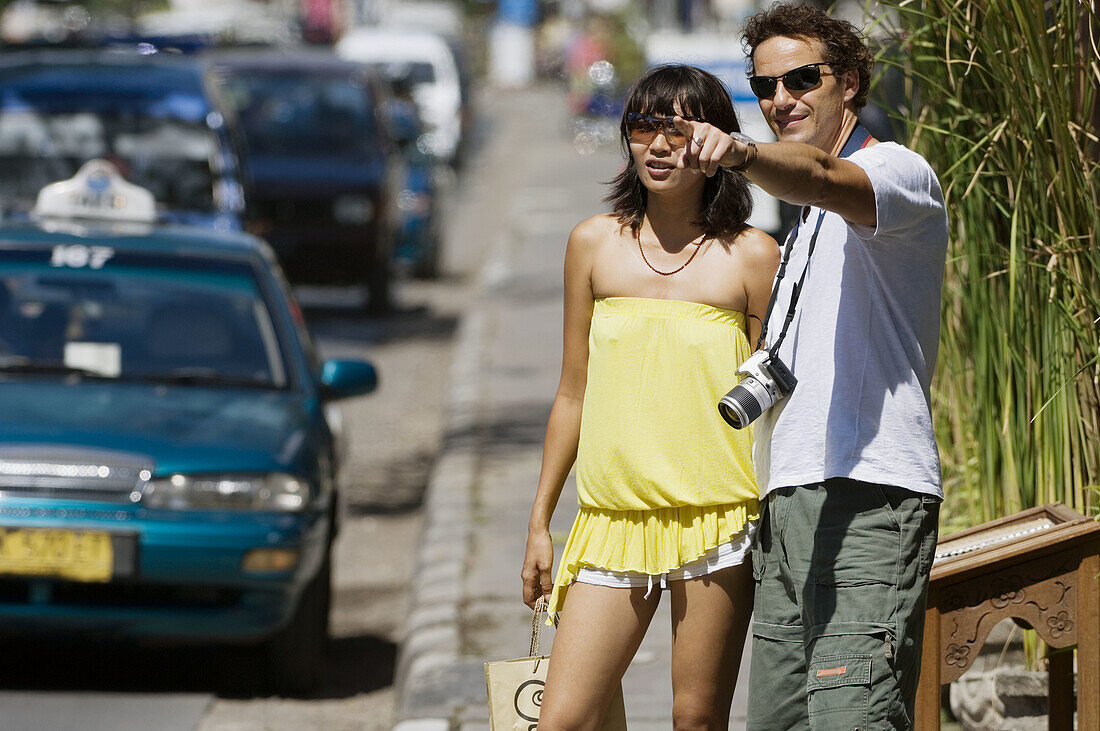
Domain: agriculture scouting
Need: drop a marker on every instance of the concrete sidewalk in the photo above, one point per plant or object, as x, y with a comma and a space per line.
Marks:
522, 194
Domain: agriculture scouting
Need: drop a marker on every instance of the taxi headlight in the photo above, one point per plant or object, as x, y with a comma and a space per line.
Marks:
275, 491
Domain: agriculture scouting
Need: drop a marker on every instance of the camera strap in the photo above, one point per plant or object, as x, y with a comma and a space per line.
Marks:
797, 289
857, 140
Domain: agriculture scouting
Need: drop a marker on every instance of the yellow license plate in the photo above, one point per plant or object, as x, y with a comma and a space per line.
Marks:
67, 554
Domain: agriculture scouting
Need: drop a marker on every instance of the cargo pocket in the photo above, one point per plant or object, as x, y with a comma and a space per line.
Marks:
929, 534
756, 555
839, 691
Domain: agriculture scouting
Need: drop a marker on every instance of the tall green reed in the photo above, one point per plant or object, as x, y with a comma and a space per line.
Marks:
1005, 108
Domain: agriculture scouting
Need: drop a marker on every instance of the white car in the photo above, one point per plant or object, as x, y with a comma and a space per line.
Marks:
428, 62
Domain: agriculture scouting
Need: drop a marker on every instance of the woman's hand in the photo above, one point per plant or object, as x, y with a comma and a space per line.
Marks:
706, 148
537, 564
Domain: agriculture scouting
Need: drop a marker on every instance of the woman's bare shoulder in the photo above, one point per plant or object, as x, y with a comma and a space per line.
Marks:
592, 235
595, 230
757, 247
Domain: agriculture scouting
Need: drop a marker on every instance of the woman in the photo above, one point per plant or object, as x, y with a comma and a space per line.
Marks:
662, 298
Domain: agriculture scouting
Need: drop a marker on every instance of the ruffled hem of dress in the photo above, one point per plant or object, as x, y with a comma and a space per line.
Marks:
645, 541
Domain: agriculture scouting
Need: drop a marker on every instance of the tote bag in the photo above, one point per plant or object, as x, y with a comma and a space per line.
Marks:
515, 687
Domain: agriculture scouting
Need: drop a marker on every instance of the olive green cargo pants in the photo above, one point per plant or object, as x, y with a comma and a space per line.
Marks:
841, 571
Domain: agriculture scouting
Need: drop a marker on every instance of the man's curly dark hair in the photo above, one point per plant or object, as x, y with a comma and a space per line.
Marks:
843, 43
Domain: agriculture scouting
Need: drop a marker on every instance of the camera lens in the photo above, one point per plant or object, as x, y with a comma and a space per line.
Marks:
744, 403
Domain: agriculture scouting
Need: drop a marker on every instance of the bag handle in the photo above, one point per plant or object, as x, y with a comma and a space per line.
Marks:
537, 618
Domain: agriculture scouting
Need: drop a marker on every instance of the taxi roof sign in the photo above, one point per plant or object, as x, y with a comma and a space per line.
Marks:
97, 191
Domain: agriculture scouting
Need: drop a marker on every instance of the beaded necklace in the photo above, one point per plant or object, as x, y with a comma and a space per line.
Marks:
641, 250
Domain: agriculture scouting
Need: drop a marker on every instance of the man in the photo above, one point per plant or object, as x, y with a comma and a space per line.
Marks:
848, 461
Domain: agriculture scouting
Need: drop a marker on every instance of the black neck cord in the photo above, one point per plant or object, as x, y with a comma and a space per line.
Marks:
779, 278
797, 289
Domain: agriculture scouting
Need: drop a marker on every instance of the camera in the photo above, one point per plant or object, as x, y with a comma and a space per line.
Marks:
767, 380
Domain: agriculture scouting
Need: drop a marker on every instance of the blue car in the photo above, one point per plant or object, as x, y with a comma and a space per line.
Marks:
166, 467
419, 241
158, 117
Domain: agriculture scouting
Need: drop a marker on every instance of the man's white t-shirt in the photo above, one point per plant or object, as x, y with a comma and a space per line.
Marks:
864, 339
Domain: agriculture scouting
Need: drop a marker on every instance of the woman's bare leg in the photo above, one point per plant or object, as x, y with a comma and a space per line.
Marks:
710, 617
599, 632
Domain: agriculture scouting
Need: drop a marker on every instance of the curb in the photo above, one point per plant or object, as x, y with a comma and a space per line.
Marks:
439, 679
432, 676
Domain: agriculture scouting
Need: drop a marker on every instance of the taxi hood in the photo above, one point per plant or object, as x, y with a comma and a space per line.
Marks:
181, 428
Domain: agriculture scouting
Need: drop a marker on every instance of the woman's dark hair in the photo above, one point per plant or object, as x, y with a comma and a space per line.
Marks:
843, 44
727, 200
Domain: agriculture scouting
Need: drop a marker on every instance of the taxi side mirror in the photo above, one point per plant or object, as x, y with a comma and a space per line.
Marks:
346, 378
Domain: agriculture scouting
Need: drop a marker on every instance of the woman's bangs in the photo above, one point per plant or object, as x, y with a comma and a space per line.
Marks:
658, 95
676, 101
697, 98
691, 106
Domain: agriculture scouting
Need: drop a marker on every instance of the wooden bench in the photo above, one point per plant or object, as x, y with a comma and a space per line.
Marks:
1039, 568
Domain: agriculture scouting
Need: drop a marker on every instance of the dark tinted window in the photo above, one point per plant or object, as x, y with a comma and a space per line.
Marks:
170, 158
322, 114
412, 74
151, 122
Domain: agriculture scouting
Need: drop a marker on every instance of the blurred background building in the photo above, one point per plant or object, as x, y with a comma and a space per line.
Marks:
594, 48
442, 48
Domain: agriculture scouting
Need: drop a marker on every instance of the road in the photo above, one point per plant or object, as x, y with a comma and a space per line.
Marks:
393, 437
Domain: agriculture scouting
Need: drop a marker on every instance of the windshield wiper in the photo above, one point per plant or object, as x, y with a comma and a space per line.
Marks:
183, 376
203, 377
23, 365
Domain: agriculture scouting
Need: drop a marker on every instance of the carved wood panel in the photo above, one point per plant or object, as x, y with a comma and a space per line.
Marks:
1041, 594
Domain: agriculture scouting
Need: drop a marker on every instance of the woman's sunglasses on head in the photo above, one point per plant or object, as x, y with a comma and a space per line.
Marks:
799, 79
643, 128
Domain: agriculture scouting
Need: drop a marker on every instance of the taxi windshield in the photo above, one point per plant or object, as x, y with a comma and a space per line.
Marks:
169, 157
93, 312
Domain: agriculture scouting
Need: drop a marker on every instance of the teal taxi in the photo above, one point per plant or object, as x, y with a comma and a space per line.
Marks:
167, 468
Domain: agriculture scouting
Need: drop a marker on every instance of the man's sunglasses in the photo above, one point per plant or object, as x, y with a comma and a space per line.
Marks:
799, 79
643, 128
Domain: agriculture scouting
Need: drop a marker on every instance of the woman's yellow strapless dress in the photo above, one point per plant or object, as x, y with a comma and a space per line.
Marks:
661, 478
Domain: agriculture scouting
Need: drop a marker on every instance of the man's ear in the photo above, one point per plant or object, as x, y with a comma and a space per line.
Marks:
851, 84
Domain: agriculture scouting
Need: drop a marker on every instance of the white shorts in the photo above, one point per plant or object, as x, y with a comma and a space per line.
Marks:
730, 553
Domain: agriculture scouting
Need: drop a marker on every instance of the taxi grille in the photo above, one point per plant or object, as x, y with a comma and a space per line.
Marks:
56, 472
